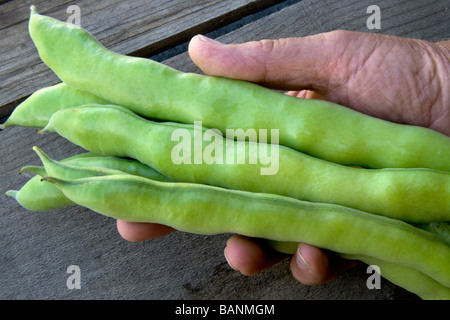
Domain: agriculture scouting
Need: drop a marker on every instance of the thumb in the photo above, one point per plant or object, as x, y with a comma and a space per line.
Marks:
284, 64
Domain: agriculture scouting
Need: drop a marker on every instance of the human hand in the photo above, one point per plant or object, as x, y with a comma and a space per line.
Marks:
396, 79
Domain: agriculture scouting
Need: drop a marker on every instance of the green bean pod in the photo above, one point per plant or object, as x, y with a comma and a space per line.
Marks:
37, 195
36, 110
416, 195
319, 128
206, 209
129, 166
40, 195
96, 166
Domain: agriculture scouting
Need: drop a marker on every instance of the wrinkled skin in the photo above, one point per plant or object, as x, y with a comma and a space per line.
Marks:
396, 79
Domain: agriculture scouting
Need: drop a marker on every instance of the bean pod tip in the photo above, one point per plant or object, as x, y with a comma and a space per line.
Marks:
47, 178
33, 169
43, 130
12, 193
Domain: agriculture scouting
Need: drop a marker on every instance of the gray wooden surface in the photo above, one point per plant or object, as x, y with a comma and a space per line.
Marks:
37, 248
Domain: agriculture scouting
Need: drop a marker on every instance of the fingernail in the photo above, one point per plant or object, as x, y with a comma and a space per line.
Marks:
226, 258
301, 261
209, 40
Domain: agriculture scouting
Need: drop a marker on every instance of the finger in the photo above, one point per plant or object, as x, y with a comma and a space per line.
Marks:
248, 257
139, 231
312, 266
286, 64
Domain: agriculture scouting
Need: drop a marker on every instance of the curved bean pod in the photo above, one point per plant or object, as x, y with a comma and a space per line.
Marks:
417, 195
206, 209
38, 170
124, 165
40, 195
84, 166
319, 128
37, 195
37, 109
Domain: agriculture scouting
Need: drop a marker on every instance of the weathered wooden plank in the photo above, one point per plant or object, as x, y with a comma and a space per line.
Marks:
36, 248
134, 27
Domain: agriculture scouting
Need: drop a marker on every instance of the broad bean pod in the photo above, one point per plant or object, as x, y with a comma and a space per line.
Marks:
42, 196
36, 110
414, 195
39, 195
319, 128
206, 209
96, 166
